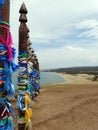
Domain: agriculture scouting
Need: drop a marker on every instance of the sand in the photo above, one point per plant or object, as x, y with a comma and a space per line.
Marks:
71, 105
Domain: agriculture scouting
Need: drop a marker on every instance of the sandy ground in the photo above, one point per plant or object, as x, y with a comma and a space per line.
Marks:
71, 105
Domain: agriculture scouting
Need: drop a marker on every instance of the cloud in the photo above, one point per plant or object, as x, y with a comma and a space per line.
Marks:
67, 56
91, 23
88, 28
63, 32
48, 16
92, 33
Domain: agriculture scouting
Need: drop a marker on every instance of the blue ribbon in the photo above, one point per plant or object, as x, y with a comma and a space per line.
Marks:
36, 85
13, 52
10, 108
5, 102
8, 125
20, 102
2, 78
8, 86
37, 74
25, 52
23, 65
2, 46
3, 57
2, 2
14, 66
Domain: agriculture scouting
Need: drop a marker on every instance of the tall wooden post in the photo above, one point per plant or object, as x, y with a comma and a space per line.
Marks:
6, 56
24, 110
23, 30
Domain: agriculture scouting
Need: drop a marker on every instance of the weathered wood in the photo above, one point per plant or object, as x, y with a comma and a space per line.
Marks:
5, 76
23, 37
23, 29
5, 10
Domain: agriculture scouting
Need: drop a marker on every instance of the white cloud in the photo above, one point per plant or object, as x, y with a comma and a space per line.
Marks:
52, 20
91, 23
45, 16
93, 33
90, 28
67, 56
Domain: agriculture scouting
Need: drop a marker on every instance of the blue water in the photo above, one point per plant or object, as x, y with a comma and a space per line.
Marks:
46, 78
49, 77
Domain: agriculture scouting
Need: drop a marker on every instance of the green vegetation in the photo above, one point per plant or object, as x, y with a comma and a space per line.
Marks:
92, 70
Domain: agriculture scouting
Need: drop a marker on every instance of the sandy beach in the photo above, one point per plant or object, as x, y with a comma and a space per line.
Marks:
71, 105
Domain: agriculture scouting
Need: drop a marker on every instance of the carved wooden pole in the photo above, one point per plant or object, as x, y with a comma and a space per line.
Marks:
6, 56
24, 107
23, 30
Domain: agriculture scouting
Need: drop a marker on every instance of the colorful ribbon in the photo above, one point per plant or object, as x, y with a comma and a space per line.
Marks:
7, 124
7, 42
2, 2
28, 110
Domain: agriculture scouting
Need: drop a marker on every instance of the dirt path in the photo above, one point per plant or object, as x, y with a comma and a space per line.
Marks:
67, 107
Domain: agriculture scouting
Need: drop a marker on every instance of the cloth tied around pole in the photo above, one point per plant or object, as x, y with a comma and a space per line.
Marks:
3, 52
7, 42
28, 110
23, 54
8, 86
24, 85
5, 110
7, 124
2, 2
23, 103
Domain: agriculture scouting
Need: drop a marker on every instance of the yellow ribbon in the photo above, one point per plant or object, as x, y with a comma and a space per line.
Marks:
28, 110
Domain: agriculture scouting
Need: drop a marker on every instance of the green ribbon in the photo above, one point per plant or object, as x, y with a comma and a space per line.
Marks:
4, 22
24, 55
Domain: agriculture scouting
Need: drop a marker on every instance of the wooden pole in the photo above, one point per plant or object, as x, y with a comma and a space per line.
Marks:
23, 30
23, 79
5, 62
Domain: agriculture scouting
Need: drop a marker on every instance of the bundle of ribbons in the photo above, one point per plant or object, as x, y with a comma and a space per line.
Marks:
36, 82
7, 54
7, 66
2, 2
24, 89
34, 75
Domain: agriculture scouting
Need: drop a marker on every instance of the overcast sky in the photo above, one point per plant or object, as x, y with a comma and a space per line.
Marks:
64, 33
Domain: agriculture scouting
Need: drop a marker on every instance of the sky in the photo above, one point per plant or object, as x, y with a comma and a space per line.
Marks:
63, 33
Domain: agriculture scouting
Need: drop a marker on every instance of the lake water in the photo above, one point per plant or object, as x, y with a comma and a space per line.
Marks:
46, 78
49, 77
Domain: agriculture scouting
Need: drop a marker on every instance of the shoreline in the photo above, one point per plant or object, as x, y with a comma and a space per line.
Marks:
78, 78
69, 105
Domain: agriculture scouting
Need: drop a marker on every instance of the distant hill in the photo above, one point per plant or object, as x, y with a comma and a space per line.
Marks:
77, 70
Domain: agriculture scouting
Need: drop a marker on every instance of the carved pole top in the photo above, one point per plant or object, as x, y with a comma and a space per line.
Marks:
23, 9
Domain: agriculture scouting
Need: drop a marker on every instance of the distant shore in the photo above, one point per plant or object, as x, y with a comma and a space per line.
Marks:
71, 105
78, 78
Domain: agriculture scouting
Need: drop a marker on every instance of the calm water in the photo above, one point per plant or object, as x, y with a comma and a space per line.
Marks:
46, 78
49, 77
